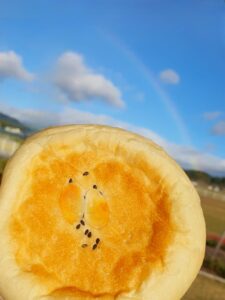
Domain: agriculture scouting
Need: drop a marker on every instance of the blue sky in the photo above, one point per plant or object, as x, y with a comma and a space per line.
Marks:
155, 67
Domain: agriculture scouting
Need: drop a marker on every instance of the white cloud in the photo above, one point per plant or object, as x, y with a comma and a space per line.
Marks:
78, 82
188, 157
169, 76
212, 115
11, 66
192, 158
219, 128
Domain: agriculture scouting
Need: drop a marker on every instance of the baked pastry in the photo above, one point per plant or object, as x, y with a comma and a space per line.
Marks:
95, 212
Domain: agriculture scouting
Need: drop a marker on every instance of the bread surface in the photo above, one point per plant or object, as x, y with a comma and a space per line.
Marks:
95, 212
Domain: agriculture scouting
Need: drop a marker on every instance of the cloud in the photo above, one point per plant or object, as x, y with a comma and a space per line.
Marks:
188, 157
219, 128
11, 66
169, 76
212, 115
192, 158
78, 82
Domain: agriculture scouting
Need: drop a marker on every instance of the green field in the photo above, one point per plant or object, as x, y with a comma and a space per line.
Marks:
214, 212
205, 289
2, 164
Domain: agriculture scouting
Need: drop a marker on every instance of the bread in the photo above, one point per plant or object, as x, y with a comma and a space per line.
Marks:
96, 212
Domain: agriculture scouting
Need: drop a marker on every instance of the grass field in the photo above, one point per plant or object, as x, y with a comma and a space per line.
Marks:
214, 212
205, 289
2, 164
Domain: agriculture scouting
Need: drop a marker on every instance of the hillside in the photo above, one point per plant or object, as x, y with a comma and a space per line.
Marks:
6, 120
204, 177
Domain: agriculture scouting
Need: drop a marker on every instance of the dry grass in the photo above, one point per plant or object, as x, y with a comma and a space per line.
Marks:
214, 212
205, 289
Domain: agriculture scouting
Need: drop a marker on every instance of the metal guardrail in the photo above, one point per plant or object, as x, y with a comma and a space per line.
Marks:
213, 277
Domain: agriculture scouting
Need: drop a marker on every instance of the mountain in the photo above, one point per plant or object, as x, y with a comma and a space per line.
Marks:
9, 121
205, 178
6, 120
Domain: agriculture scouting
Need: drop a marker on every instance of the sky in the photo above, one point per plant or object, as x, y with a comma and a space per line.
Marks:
154, 67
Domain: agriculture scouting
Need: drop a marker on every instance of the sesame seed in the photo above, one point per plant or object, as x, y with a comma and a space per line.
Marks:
78, 226
86, 231
95, 186
85, 173
97, 241
71, 180
82, 222
84, 245
94, 246
89, 234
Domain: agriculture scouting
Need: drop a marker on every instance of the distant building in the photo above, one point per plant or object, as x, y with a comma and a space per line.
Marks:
194, 183
7, 146
13, 130
210, 188
216, 189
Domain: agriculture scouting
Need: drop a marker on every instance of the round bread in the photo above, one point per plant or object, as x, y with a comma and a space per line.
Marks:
95, 212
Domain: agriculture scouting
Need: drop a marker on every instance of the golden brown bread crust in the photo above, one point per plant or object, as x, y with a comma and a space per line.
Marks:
144, 209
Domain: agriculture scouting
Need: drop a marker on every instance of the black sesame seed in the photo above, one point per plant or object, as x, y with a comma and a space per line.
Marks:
97, 241
94, 246
78, 226
85, 173
86, 231
95, 186
84, 245
89, 234
71, 180
82, 222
